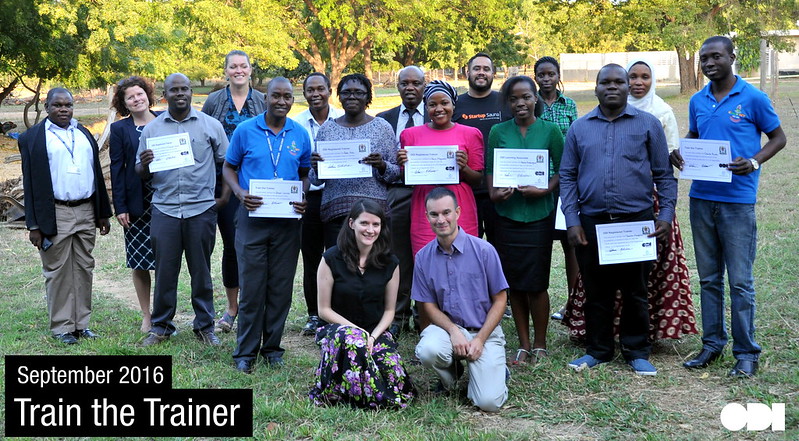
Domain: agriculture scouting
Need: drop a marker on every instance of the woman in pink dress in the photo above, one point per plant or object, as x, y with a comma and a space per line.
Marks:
439, 101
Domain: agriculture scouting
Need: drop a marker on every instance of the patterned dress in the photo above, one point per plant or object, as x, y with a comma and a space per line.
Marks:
347, 373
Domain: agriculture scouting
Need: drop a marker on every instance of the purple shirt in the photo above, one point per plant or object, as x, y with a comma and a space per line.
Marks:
461, 283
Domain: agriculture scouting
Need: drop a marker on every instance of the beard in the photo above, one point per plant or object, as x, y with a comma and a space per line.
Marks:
477, 88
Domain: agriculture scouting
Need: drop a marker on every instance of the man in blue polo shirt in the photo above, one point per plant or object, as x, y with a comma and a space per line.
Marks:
723, 214
269, 146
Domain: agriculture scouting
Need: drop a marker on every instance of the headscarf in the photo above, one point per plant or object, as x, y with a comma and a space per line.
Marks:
436, 86
650, 102
656, 106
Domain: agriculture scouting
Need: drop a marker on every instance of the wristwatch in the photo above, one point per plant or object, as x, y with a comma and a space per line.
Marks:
755, 164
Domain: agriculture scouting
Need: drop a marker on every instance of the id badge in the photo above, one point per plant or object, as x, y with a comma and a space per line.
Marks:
73, 169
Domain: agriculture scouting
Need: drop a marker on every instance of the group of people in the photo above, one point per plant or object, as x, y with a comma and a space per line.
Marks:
370, 246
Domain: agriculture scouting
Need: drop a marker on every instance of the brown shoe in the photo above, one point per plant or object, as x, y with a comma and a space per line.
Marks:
207, 337
153, 339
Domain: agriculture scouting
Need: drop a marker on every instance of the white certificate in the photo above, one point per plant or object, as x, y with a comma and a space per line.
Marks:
705, 160
277, 197
515, 167
342, 159
170, 152
626, 242
431, 164
560, 218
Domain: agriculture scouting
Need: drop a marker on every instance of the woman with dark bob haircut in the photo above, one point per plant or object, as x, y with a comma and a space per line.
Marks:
358, 280
133, 98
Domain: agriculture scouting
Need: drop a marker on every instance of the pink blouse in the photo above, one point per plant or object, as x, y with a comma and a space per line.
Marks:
468, 139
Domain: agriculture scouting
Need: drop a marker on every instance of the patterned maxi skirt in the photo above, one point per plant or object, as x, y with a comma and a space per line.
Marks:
348, 374
671, 309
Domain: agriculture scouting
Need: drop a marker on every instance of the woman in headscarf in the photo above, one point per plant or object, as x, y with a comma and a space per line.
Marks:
439, 101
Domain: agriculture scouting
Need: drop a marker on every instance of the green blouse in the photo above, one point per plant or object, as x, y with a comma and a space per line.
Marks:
542, 135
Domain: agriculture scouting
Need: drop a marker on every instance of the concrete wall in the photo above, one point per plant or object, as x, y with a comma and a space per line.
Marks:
584, 67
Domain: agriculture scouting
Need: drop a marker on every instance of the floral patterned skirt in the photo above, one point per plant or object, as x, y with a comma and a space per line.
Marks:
348, 374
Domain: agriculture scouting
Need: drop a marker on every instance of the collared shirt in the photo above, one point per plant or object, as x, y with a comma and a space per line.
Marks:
541, 135
461, 283
740, 117
307, 121
250, 152
402, 119
608, 167
71, 163
187, 191
562, 112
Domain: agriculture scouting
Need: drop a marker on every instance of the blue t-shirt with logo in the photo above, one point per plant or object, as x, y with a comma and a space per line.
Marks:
250, 151
740, 117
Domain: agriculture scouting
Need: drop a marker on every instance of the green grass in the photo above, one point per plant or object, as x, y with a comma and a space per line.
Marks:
547, 401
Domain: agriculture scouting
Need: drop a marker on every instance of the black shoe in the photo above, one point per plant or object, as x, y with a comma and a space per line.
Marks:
67, 338
208, 337
245, 366
743, 369
274, 361
311, 325
702, 360
85, 333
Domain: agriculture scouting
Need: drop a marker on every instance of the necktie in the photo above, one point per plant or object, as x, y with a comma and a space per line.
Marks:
410, 122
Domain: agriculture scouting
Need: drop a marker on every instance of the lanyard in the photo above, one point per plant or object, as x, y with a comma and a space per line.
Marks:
275, 162
72, 150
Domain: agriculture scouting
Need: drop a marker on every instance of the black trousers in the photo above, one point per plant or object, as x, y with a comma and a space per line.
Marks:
399, 199
267, 251
313, 245
601, 283
170, 237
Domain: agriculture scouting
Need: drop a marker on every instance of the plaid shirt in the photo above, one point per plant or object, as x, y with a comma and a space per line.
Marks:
562, 112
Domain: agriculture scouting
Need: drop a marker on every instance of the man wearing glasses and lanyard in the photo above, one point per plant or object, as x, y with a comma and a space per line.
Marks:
269, 146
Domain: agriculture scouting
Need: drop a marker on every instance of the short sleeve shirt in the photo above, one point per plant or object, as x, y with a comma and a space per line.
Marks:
740, 117
250, 151
460, 284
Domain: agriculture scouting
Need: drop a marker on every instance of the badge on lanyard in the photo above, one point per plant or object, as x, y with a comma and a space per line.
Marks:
73, 169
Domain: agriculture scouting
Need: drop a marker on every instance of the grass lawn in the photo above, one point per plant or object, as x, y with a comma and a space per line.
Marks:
547, 401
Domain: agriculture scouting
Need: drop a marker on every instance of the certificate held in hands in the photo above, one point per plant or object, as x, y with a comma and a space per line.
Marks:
342, 159
515, 167
705, 160
170, 152
625, 242
431, 164
278, 196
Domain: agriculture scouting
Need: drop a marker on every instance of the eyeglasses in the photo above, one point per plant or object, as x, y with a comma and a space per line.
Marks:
356, 93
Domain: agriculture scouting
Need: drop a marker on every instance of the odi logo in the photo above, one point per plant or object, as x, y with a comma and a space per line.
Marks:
754, 416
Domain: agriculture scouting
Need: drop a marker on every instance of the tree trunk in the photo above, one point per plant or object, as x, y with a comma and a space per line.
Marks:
8, 89
34, 101
690, 79
367, 62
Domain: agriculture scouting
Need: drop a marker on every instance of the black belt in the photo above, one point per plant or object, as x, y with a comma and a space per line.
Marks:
617, 216
73, 203
471, 329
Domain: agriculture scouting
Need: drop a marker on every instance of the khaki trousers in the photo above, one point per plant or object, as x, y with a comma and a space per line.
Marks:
68, 267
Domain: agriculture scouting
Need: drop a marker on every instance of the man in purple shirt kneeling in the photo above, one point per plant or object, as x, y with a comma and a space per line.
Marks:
458, 282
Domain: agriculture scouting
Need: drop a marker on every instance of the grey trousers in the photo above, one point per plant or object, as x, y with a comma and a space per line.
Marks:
267, 251
170, 237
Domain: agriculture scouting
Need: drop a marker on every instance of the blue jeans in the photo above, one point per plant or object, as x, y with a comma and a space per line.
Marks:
725, 235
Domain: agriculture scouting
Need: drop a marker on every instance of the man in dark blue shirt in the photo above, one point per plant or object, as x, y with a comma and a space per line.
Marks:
612, 157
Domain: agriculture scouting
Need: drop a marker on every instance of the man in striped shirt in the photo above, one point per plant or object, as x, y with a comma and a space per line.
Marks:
611, 159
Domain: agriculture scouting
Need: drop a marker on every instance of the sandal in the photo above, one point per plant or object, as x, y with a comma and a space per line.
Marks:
539, 354
518, 360
225, 324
